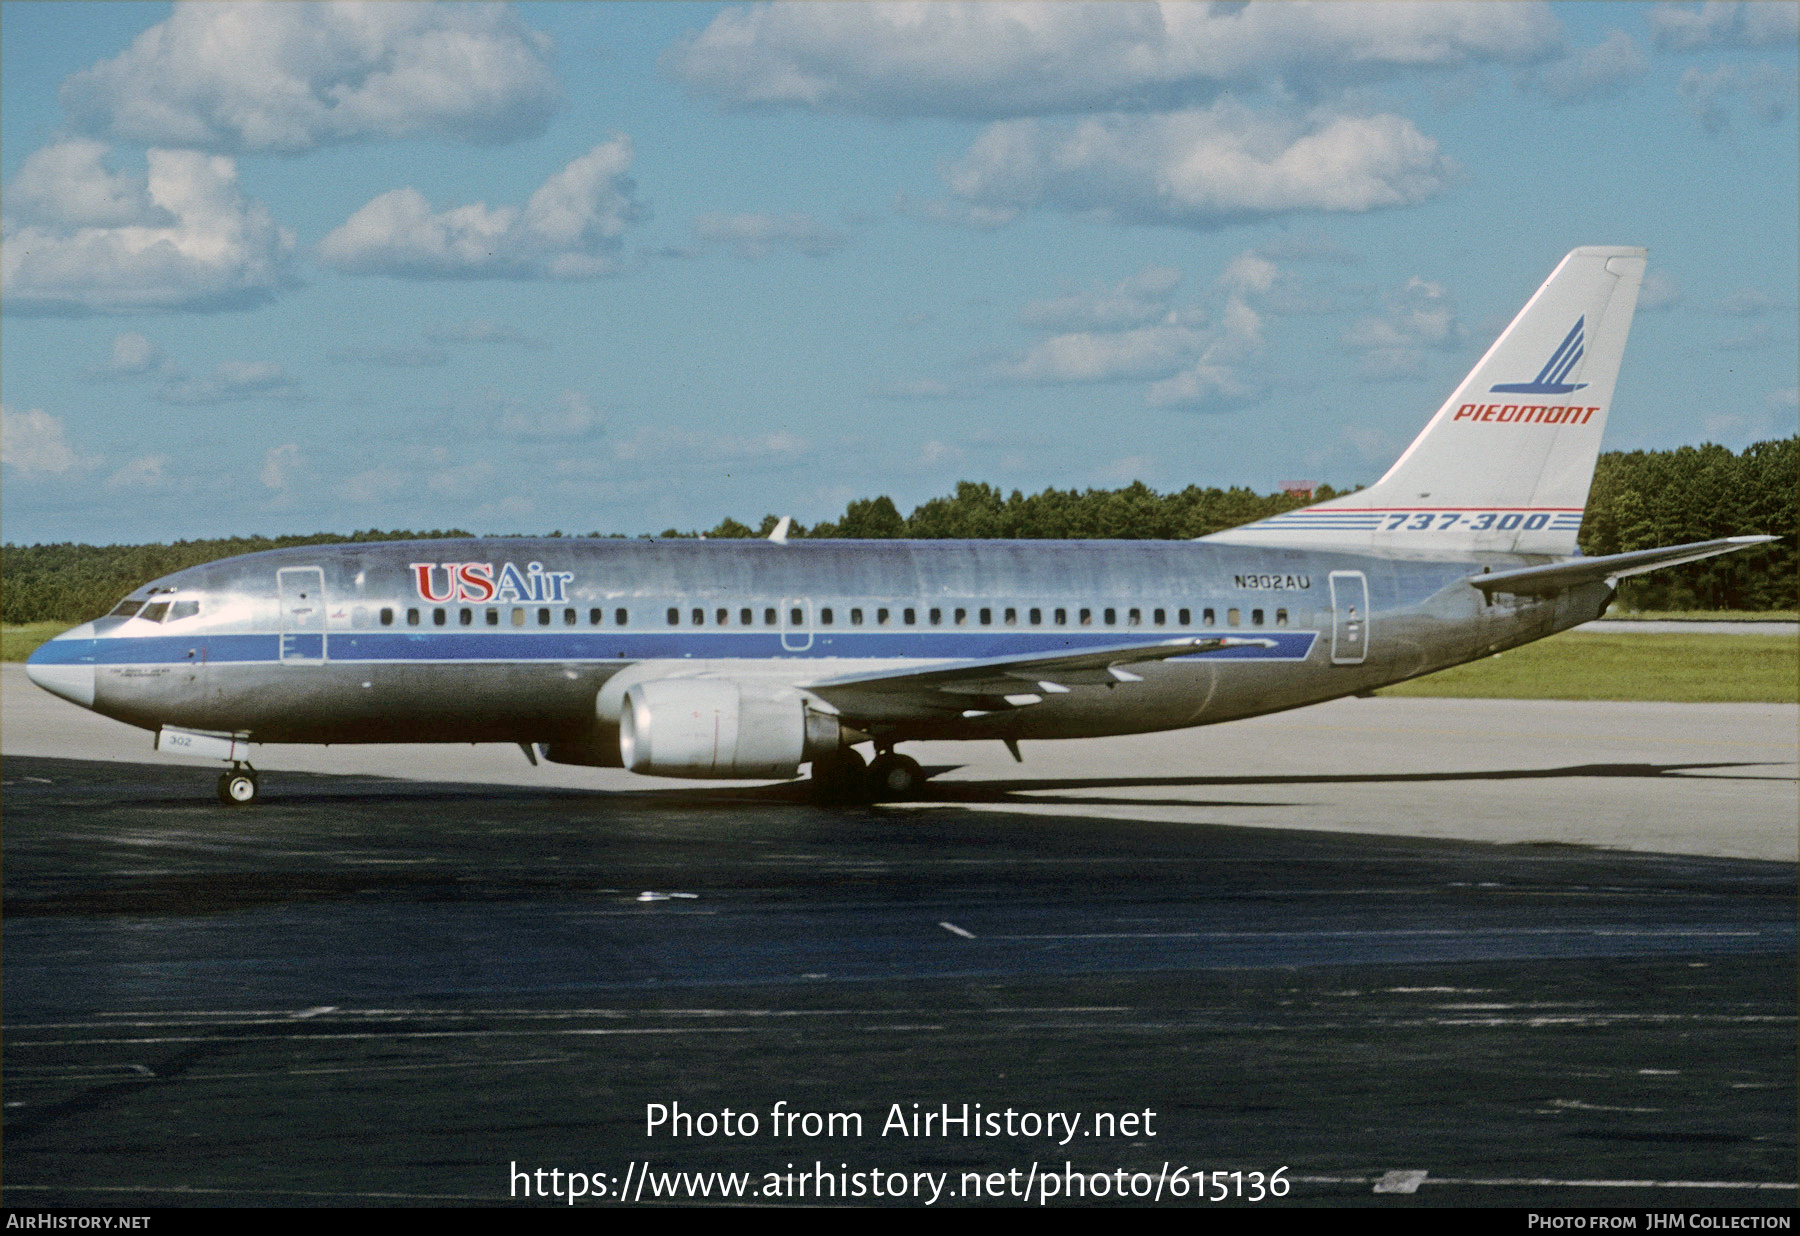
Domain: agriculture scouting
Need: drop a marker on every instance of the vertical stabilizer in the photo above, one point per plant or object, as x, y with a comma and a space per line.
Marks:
1506, 463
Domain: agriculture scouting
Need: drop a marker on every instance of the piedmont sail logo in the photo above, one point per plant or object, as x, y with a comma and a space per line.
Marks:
474, 582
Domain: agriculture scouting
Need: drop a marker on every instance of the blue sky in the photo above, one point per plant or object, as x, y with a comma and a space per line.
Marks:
619, 267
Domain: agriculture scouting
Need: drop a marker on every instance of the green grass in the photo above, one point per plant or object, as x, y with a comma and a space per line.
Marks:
1576, 665
1703, 615
19, 641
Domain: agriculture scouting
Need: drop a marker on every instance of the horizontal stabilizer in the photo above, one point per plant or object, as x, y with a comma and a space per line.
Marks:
1561, 576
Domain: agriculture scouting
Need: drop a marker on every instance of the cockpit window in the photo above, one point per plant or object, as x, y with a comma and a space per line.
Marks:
183, 609
156, 611
126, 609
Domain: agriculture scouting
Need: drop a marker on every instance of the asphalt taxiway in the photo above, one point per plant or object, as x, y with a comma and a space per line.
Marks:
1705, 779
378, 991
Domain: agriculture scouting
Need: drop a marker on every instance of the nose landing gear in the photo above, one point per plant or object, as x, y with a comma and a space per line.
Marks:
239, 787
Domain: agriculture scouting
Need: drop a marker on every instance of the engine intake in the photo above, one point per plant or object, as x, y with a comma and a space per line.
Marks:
697, 727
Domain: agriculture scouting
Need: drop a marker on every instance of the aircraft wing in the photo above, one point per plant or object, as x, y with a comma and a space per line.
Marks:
1561, 576
997, 683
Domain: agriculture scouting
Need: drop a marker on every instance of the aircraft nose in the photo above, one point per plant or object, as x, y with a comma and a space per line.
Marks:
64, 666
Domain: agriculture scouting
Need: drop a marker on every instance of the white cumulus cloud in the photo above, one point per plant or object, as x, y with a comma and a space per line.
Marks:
992, 60
1725, 23
1660, 291
231, 382
145, 472
290, 77
1105, 356
1712, 97
1202, 169
132, 356
279, 466
1598, 72
755, 236
1133, 301
87, 240
35, 441
569, 417
1420, 316
1216, 382
571, 228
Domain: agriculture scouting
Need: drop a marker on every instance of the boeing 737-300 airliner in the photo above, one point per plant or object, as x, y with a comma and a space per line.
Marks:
749, 659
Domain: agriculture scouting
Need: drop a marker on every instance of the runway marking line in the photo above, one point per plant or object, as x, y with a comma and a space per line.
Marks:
1398, 1180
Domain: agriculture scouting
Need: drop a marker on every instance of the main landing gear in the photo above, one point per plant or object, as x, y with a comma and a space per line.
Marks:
239, 787
846, 778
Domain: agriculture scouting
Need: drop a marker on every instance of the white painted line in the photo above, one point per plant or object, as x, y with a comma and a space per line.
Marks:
1400, 1182
954, 930
1535, 1183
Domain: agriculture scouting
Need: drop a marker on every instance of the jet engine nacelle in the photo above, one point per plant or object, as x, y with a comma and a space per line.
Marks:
697, 727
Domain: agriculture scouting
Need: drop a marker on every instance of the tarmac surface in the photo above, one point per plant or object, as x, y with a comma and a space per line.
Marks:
375, 991
1413, 952
1705, 779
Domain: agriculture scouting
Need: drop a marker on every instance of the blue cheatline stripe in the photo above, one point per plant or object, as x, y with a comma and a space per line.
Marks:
362, 647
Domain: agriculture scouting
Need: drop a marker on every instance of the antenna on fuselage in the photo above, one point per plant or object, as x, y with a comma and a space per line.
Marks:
779, 536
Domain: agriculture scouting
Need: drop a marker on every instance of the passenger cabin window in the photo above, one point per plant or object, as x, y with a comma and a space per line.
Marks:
699, 616
1256, 617
465, 617
962, 617
595, 616
881, 617
126, 609
1281, 617
825, 616
1207, 618
1134, 618
544, 617
856, 617
796, 617
387, 616
722, 617
987, 616
1182, 616
568, 617
1160, 617
1232, 617
518, 616
1062, 617
1112, 616
156, 611
746, 616
1087, 617
1037, 617
1012, 617
183, 609
769, 616
493, 617
674, 616
620, 617
937, 617
437, 617
412, 617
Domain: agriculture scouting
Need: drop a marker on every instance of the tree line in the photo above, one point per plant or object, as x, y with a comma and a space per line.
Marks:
1640, 500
